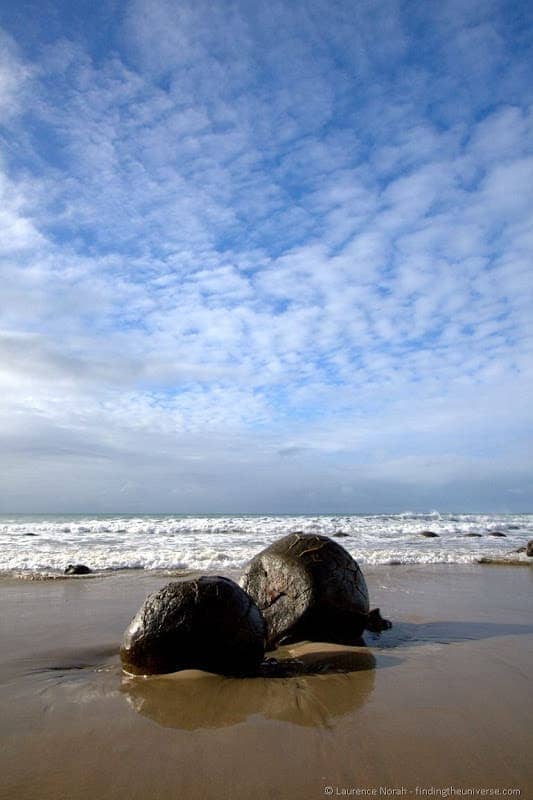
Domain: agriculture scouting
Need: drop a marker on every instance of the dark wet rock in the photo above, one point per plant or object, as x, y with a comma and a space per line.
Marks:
341, 535
209, 623
309, 587
513, 527
429, 534
521, 549
77, 569
376, 623
29, 534
474, 535
497, 533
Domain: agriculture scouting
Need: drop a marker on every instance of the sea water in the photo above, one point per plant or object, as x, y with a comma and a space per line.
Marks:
43, 544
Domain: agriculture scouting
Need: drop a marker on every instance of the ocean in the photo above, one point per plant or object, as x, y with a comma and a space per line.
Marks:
42, 544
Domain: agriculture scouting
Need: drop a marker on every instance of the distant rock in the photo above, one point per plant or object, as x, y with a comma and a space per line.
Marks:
474, 535
529, 548
309, 587
341, 535
29, 534
208, 623
429, 534
497, 533
77, 569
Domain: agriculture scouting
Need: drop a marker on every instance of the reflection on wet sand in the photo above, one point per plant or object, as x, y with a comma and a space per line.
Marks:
324, 684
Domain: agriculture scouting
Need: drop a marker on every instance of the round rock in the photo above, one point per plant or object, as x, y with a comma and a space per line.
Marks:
77, 569
308, 587
209, 623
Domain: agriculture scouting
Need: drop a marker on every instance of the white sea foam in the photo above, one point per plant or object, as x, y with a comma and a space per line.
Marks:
220, 543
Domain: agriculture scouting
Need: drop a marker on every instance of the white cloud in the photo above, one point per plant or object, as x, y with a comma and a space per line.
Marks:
14, 78
205, 258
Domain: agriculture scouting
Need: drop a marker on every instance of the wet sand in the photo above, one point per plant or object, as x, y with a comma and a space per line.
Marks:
442, 701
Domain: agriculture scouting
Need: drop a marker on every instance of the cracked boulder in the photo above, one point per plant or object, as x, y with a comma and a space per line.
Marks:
209, 623
309, 587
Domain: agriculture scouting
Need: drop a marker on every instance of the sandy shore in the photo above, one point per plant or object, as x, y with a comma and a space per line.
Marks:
443, 700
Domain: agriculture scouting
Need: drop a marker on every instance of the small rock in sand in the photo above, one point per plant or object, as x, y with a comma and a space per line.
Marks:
77, 569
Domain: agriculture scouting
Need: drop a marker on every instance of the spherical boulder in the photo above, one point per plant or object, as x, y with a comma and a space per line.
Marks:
309, 587
208, 623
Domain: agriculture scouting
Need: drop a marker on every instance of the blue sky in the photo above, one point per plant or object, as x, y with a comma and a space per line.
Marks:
266, 257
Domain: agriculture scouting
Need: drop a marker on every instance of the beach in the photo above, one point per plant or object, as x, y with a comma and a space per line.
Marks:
265, 326
440, 703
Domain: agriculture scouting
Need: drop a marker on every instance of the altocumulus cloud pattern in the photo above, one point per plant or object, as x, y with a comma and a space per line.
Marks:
266, 256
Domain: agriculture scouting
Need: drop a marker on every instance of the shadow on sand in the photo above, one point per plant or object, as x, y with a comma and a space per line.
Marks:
411, 634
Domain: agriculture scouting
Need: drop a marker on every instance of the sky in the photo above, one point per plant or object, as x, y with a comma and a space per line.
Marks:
266, 257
